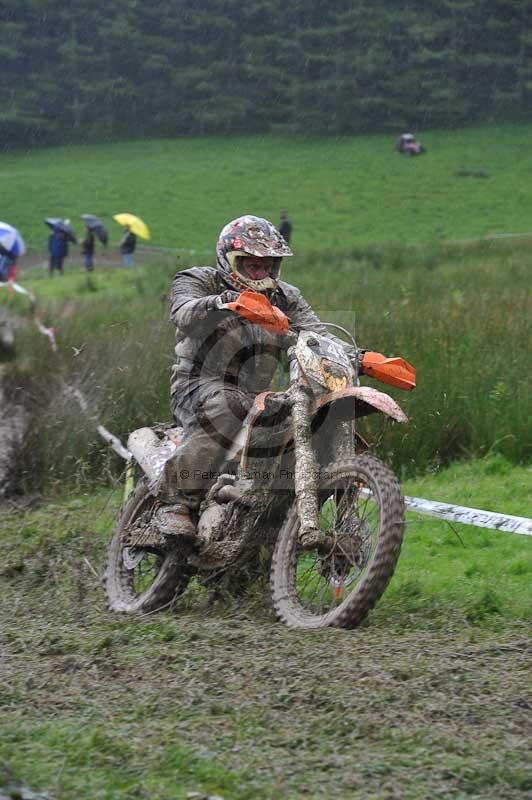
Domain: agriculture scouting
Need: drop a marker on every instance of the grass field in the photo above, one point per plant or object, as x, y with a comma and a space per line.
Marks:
431, 698
340, 192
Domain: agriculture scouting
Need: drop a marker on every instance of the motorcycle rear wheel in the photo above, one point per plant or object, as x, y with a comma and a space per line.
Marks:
135, 580
362, 516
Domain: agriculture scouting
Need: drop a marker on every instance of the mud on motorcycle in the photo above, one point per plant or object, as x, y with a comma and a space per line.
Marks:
292, 482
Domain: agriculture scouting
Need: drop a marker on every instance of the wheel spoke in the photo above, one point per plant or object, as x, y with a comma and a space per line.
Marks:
349, 514
145, 572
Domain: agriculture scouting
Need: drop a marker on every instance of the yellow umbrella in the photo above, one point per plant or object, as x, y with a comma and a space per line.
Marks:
136, 225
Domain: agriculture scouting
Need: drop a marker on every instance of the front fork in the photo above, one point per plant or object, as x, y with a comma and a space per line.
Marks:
306, 467
307, 470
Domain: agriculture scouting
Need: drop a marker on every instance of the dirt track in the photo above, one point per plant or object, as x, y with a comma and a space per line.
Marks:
373, 713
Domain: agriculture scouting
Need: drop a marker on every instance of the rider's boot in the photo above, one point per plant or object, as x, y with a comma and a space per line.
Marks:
174, 520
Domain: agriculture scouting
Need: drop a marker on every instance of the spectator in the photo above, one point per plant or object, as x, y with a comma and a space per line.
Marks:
8, 265
87, 249
58, 249
127, 246
285, 227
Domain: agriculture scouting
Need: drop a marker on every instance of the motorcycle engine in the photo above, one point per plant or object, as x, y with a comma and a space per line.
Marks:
212, 525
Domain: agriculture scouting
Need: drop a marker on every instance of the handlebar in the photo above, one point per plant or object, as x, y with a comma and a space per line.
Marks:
256, 308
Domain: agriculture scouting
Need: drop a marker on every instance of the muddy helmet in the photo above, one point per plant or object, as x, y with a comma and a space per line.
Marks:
250, 236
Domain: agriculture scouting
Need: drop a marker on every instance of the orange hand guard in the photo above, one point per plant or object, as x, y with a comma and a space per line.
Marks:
256, 308
394, 371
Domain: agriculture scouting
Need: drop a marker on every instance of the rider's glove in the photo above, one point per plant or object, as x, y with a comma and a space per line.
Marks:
225, 297
216, 301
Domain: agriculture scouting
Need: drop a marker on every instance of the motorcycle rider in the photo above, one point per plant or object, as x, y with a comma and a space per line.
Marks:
222, 360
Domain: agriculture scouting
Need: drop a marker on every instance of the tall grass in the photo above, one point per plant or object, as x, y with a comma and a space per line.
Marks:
462, 316
120, 367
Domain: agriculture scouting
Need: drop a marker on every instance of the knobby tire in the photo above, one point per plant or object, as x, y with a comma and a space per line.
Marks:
377, 571
170, 581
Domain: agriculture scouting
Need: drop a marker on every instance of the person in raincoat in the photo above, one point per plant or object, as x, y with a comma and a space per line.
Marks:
87, 249
58, 249
8, 265
223, 361
127, 246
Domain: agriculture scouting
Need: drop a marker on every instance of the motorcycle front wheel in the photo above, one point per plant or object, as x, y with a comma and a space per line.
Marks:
139, 580
339, 582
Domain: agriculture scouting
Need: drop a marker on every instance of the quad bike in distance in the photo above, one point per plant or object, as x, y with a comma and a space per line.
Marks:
293, 482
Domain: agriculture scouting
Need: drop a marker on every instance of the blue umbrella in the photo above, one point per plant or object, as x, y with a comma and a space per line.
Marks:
62, 225
11, 240
95, 224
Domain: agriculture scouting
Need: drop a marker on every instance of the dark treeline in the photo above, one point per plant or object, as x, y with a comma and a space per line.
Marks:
94, 71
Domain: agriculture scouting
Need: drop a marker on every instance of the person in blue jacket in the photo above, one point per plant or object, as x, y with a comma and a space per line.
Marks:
8, 265
58, 249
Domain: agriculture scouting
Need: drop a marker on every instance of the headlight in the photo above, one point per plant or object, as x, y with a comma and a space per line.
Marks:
335, 377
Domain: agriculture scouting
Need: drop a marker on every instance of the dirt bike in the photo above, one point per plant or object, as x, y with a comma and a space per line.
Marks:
294, 484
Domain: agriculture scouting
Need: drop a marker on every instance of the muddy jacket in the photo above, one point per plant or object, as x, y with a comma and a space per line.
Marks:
213, 344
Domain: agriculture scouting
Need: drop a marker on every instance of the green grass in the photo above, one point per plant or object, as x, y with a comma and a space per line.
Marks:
462, 572
339, 191
107, 281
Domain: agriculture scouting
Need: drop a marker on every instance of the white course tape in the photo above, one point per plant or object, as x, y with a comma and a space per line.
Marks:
154, 249
112, 440
115, 443
471, 516
467, 516
509, 236
48, 332
13, 286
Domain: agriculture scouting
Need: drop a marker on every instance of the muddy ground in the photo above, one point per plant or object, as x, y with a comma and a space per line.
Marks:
218, 699
13, 421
